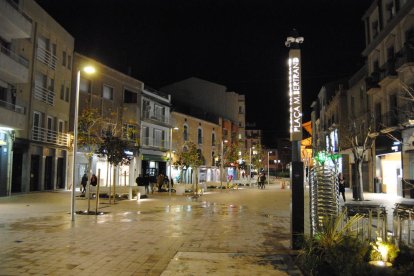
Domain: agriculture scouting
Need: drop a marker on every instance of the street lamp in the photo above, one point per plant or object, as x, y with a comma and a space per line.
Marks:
250, 166
268, 165
221, 162
170, 161
88, 70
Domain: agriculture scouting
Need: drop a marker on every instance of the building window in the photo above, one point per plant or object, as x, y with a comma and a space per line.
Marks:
85, 86
107, 92
185, 133
200, 136
61, 126
158, 138
129, 131
130, 96
67, 94
62, 92
64, 58
213, 139
146, 108
145, 137
159, 112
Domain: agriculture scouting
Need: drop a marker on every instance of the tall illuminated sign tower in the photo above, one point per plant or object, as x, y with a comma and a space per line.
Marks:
295, 109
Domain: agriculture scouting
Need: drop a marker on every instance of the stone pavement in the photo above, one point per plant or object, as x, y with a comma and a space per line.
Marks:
235, 232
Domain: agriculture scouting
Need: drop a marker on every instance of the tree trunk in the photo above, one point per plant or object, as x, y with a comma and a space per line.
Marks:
359, 182
196, 181
89, 184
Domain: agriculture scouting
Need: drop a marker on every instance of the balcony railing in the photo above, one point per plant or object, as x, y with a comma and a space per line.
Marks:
150, 142
14, 21
46, 57
399, 117
14, 56
156, 117
43, 94
373, 80
406, 55
14, 107
50, 136
388, 70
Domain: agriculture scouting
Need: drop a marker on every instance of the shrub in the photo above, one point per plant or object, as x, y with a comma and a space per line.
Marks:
334, 250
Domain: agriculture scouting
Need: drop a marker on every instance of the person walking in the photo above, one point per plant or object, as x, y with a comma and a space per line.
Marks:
262, 179
94, 180
146, 181
160, 181
341, 182
84, 181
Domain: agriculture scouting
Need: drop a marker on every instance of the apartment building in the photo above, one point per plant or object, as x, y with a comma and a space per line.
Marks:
212, 98
253, 138
35, 82
115, 98
242, 122
206, 133
329, 124
155, 132
358, 114
389, 32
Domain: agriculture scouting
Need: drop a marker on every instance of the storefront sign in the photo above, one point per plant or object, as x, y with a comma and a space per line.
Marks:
295, 95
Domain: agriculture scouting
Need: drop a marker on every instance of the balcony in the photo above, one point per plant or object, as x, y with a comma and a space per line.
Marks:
13, 107
155, 118
372, 82
150, 142
14, 23
46, 57
404, 57
387, 72
387, 122
12, 115
44, 95
50, 136
402, 117
13, 68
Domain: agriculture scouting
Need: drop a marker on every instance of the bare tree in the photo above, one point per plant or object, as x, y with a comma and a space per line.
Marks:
359, 137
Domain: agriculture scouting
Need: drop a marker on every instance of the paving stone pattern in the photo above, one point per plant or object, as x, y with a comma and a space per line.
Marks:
239, 232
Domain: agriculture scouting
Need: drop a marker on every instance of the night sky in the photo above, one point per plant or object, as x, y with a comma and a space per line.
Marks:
236, 43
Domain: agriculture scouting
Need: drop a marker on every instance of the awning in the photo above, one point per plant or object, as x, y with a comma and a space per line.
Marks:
151, 157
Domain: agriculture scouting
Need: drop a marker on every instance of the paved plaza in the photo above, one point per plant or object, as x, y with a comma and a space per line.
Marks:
233, 232
229, 232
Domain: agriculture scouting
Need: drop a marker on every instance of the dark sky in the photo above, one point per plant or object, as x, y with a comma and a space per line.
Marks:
237, 43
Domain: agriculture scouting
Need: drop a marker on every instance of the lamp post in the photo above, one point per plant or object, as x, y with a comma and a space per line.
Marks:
268, 165
221, 162
250, 167
88, 70
170, 161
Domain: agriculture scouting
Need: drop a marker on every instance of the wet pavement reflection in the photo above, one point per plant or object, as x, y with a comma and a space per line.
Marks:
243, 232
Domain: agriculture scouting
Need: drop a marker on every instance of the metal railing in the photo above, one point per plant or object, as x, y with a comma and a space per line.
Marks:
50, 136
388, 69
406, 55
13, 107
16, 7
151, 142
46, 57
14, 56
155, 117
43, 94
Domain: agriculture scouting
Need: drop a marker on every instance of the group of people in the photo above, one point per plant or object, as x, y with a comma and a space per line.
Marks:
146, 181
84, 182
